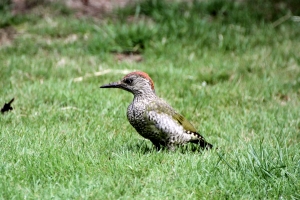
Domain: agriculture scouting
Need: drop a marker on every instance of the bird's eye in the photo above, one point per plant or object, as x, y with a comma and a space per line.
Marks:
128, 81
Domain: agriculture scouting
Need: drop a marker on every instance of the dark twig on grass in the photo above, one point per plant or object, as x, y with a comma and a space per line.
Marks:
222, 158
7, 106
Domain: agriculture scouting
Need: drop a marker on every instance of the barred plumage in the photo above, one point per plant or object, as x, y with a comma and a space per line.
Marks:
152, 117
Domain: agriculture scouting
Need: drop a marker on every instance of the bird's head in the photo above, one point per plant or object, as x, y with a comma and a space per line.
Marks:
138, 83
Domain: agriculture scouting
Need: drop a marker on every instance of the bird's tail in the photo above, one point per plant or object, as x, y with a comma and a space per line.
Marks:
202, 142
205, 145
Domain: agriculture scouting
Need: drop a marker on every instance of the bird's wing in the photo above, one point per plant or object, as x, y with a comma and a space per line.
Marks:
184, 122
161, 107
161, 113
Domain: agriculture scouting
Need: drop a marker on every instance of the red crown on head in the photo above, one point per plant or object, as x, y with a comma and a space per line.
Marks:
142, 74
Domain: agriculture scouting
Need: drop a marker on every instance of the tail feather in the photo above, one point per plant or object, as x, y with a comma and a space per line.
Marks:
205, 145
202, 142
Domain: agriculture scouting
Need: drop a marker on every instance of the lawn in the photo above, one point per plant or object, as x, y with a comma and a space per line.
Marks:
231, 68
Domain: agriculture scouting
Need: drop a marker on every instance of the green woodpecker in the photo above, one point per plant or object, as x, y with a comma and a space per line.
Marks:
153, 118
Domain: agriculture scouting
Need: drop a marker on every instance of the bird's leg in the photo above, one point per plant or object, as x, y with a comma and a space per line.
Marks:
171, 147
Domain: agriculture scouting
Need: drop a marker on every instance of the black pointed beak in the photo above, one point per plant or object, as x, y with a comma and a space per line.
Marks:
112, 85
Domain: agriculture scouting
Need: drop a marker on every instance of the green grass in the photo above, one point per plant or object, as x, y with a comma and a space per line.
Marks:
222, 65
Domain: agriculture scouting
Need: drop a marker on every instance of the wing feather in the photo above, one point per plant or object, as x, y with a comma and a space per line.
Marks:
161, 107
161, 113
